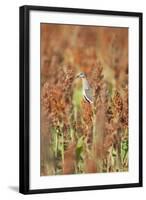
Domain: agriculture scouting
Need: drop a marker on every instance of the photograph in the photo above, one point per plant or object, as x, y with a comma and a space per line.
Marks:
80, 99
83, 99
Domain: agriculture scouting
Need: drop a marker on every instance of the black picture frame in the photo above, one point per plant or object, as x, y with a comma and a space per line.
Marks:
25, 106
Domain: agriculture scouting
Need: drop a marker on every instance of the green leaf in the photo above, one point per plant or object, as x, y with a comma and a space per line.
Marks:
77, 97
79, 147
78, 152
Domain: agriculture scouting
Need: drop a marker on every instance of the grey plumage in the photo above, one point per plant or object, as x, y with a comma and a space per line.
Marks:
87, 91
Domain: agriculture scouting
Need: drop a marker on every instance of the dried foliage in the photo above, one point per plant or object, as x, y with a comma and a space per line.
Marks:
78, 137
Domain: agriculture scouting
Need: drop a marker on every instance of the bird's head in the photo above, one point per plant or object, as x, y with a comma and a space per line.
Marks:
81, 75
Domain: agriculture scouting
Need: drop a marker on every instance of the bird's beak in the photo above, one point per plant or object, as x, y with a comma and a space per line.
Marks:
77, 76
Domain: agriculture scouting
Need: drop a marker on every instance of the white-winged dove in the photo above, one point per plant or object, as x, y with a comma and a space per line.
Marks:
87, 91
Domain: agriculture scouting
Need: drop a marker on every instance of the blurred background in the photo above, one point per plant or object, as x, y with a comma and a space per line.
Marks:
75, 136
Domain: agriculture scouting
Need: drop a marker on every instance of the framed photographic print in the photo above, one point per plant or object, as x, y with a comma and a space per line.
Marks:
80, 99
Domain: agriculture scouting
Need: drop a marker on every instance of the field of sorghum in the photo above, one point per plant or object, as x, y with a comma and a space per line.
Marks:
77, 137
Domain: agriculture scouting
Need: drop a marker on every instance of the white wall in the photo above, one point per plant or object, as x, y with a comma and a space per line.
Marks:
9, 88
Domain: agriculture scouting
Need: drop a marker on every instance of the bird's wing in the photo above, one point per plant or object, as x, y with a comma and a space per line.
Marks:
88, 95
